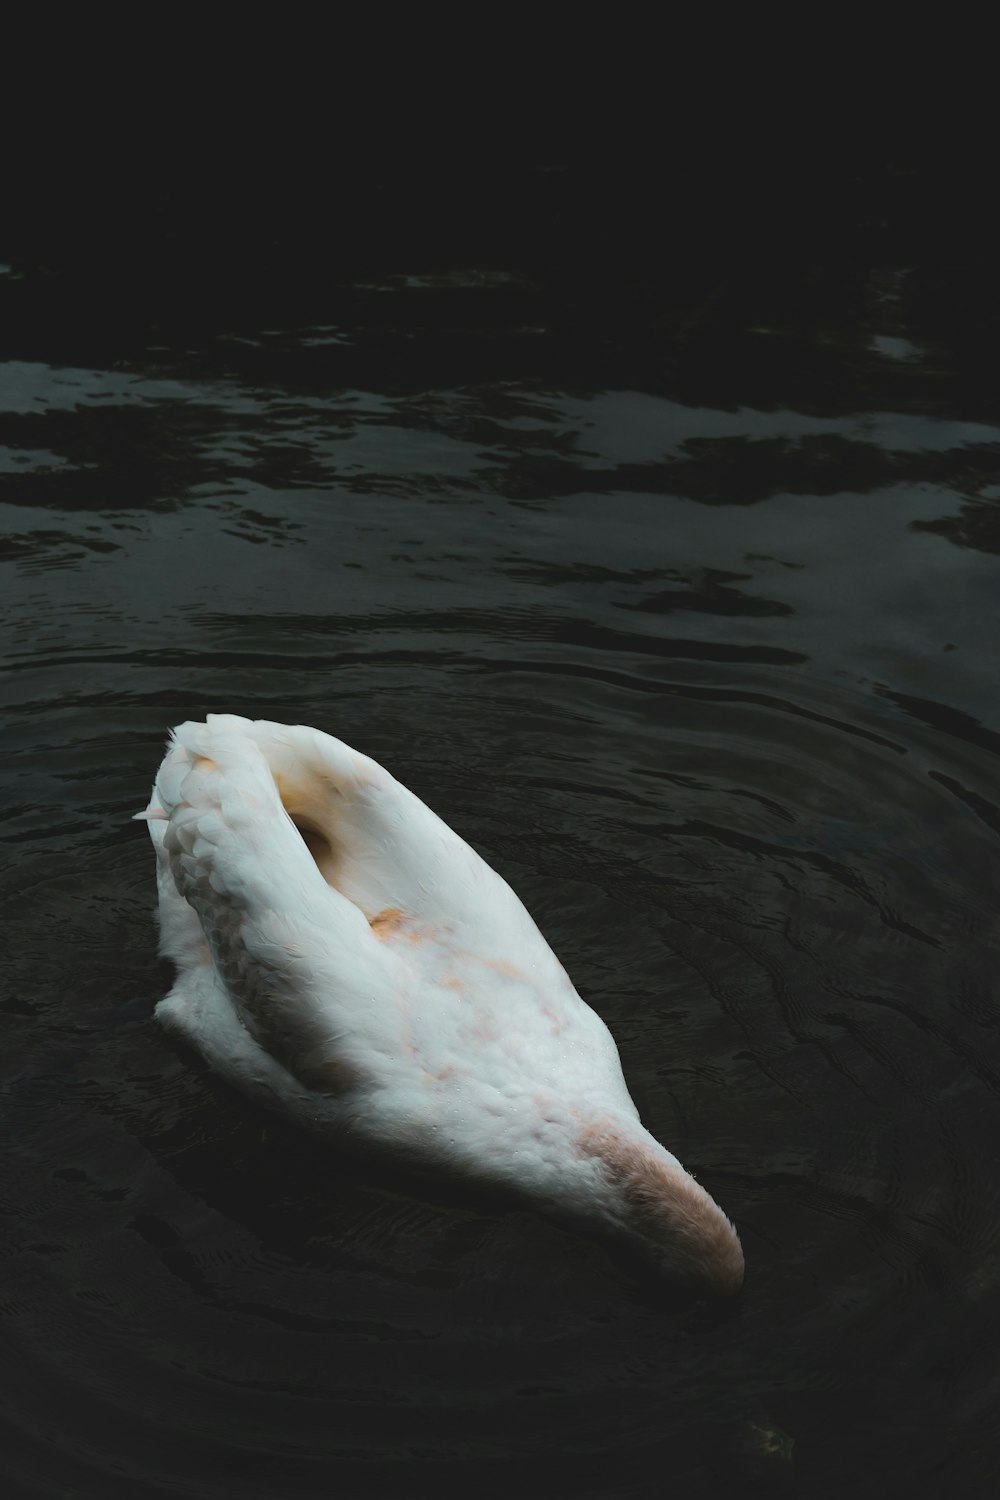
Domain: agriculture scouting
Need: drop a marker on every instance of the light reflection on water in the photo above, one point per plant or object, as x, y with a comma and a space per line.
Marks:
710, 685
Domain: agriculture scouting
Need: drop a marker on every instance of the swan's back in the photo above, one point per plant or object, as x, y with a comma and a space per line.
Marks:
344, 954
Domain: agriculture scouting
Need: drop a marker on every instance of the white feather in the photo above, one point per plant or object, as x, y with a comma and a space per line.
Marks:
343, 955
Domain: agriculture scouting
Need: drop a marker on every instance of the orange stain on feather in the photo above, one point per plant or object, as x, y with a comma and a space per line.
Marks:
384, 923
501, 966
391, 922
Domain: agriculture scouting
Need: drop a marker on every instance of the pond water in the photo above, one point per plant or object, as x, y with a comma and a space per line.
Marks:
693, 638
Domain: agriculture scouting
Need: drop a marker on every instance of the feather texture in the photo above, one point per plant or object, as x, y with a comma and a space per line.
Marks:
345, 956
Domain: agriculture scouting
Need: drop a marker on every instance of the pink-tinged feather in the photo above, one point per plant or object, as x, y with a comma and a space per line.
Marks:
669, 1209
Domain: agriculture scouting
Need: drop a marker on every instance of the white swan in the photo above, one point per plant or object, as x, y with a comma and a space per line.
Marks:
342, 954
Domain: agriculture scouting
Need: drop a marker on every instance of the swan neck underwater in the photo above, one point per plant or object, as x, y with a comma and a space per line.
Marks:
344, 956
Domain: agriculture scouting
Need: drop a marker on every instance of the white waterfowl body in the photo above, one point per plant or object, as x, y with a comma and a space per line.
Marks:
345, 956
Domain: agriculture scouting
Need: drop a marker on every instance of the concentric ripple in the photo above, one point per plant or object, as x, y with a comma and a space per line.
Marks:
736, 746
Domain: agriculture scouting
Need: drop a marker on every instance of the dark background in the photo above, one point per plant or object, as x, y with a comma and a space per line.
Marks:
699, 651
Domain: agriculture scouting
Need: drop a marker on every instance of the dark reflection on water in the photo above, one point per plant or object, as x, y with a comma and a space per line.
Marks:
708, 676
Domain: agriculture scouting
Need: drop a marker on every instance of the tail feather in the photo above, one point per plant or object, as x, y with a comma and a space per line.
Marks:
277, 935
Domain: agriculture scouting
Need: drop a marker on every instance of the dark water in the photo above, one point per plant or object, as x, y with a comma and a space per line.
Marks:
691, 632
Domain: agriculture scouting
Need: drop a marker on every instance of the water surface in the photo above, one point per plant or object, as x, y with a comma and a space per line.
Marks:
698, 654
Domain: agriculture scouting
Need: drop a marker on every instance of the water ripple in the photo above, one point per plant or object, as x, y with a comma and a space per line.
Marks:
709, 687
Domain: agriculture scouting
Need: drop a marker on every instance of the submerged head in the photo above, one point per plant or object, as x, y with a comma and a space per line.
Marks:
669, 1217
